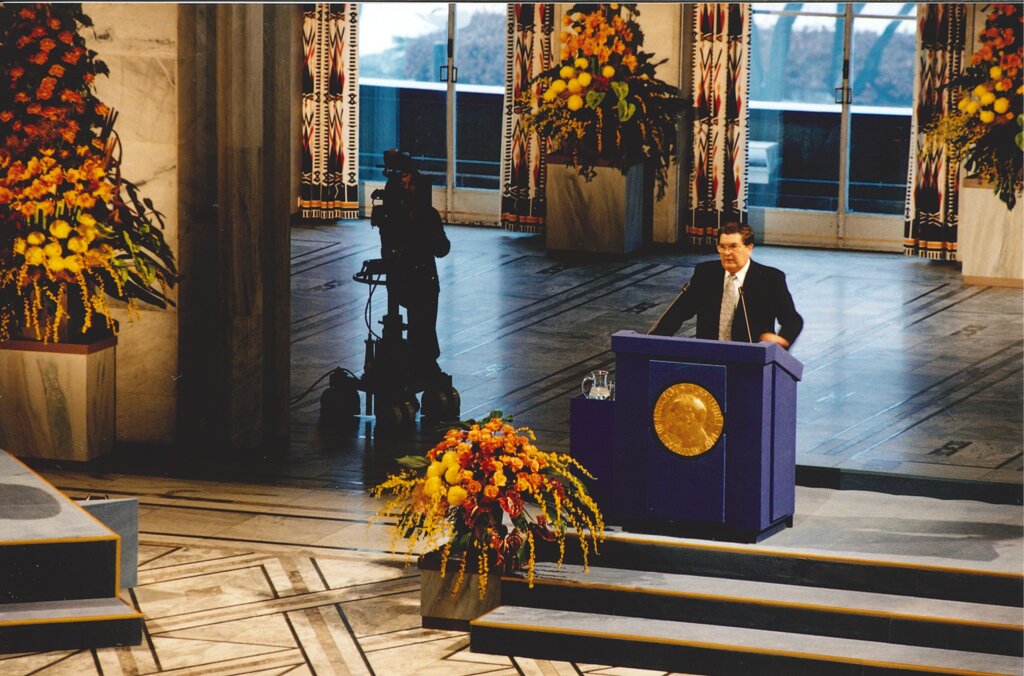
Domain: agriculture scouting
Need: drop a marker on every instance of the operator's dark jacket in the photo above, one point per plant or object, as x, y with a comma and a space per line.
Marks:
765, 294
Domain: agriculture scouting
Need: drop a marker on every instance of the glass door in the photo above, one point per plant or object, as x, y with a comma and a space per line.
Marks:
830, 97
431, 83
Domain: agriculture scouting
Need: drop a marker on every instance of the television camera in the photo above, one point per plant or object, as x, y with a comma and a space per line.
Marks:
397, 367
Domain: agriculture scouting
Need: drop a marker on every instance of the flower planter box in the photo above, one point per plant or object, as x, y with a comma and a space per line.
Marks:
990, 238
609, 214
439, 608
57, 400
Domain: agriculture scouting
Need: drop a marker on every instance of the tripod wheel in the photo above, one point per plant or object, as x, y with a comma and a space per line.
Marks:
442, 404
339, 403
396, 412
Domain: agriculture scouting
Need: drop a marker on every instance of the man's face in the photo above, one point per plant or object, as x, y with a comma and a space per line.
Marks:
733, 252
408, 182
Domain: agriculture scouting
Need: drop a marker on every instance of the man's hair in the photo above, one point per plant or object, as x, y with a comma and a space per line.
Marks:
734, 228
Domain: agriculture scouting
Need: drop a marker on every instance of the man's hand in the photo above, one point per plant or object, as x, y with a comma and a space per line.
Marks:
768, 337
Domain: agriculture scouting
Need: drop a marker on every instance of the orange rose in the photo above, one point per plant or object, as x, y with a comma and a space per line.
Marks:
491, 491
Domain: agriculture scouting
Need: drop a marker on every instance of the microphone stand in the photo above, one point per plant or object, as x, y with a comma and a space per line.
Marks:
746, 319
686, 287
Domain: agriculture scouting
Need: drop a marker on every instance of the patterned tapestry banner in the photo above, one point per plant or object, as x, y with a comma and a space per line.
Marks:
330, 112
523, 155
718, 178
933, 181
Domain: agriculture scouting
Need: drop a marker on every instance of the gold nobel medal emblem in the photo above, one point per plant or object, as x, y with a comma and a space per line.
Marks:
687, 419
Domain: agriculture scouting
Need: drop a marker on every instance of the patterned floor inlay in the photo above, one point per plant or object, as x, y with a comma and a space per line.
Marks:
214, 610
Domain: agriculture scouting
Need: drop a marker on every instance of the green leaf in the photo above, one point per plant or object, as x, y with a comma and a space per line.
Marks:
621, 90
414, 461
625, 110
594, 99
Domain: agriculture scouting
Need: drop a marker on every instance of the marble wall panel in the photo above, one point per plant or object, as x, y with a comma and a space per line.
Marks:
138, 42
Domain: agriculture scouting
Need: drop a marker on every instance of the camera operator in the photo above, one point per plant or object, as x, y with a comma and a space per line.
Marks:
412, 235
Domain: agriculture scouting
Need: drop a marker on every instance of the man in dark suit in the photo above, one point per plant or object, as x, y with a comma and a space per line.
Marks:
735, 298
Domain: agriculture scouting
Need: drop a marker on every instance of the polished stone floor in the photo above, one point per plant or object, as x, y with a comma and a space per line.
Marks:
257, 578
907, 370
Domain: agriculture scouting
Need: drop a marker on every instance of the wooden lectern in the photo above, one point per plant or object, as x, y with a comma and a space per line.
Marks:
742, 485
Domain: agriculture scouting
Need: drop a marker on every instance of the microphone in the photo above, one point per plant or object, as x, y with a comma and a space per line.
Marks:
746, 319
682, 292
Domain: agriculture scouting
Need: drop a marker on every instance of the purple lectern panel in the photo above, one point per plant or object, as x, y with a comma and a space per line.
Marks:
682, 487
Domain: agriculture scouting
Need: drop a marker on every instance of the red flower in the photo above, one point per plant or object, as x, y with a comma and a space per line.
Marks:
47, 45
68, 95
67, 37
57, 70
22, 41
37, 32
6, 116
27, 13
39, 58
54, 23
73, 55
17, 72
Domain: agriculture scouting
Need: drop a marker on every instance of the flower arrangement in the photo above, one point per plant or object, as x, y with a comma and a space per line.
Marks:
69, 222
459, 494
602, 100
987, 129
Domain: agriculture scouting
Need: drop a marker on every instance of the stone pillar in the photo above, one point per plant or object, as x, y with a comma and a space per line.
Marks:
237, 65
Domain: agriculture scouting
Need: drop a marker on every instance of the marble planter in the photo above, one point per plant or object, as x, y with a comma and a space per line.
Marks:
57, 400
439, 608
608, 214
990, 238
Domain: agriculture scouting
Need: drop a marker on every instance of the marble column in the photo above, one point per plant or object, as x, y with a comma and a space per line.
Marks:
238, 66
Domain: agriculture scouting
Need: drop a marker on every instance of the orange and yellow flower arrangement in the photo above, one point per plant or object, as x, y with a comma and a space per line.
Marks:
487, 493
602, 101
69, 223
986, 131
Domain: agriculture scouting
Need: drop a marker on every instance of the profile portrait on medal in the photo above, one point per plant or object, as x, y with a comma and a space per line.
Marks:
687, 419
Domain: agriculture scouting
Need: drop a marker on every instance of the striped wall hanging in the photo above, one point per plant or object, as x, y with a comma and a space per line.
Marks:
523, 155
718, 176
930, 228
330, 112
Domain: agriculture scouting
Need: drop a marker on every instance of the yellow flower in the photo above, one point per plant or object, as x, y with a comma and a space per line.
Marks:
86, 220
581, 63
73, 264
980, 90
607, 71
566, 72
454, 474
584, 79
19, 245
77, 244
1001, 105
550, 95
435, 468
575, 102
995, 72
558, 86
450, 458
987, 98
972, 107
60, 229
962, 105
53, 249
457, 495
987, 116
34, 255
499, 479
574, 86
35, 238
432, 486
491, 491
55, 263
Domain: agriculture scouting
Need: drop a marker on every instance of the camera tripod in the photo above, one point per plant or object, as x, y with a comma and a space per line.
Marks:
387, 379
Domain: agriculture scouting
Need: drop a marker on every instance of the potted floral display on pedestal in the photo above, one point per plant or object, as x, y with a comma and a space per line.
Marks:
481, 500
603, 111
73, 233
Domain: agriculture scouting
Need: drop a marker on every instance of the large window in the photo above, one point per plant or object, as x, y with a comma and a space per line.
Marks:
445, 109
831, 86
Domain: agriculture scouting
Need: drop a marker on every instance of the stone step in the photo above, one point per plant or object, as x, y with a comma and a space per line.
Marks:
695, 648
935, 623
788, 566
66, 625
51, 549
